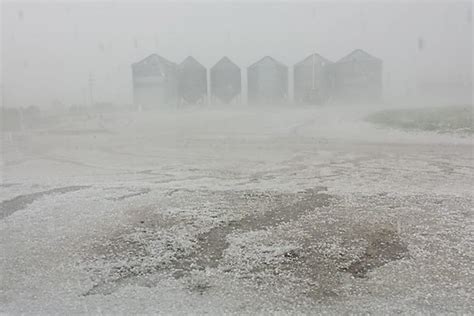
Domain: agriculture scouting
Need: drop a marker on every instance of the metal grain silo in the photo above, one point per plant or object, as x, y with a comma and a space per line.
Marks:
154, 82
357, 78
311, 80
192, 81
267, 82
225, 81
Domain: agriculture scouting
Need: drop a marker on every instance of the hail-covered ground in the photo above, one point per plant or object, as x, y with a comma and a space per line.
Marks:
275, 210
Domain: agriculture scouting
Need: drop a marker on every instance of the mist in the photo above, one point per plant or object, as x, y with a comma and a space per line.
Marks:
52, 50
236, 157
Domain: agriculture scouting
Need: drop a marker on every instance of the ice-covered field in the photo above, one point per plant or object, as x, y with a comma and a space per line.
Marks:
309, 210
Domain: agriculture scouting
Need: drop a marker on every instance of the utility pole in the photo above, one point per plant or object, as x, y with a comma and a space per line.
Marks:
91, 86
84, 95
2, 92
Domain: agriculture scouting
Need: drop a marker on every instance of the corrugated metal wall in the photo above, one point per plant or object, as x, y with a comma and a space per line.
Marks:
225, 81
267, 82
192, 82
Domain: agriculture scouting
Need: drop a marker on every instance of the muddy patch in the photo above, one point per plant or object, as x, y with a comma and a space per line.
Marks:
383, 246
307, 241
205, 250
130, 195
7, 185
20, 202
212, 244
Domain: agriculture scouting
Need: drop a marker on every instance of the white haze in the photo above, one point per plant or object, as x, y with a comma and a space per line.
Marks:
235, 209
51, 49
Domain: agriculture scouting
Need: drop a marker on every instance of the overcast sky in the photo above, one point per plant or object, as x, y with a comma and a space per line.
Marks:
49, 49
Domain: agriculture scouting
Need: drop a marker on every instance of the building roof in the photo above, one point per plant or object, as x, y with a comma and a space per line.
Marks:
267, 60
191, 62
314, 57
153, 59
153, 64
358, 55
225, 62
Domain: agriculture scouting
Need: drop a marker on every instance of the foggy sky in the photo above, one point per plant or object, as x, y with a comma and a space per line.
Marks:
50, 49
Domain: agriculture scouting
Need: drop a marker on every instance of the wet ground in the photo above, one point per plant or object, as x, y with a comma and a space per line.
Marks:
237, 212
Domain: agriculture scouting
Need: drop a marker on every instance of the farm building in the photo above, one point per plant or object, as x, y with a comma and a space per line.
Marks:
357, 77
154, 82
225, 81
192, 81
267, 81
311, 82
